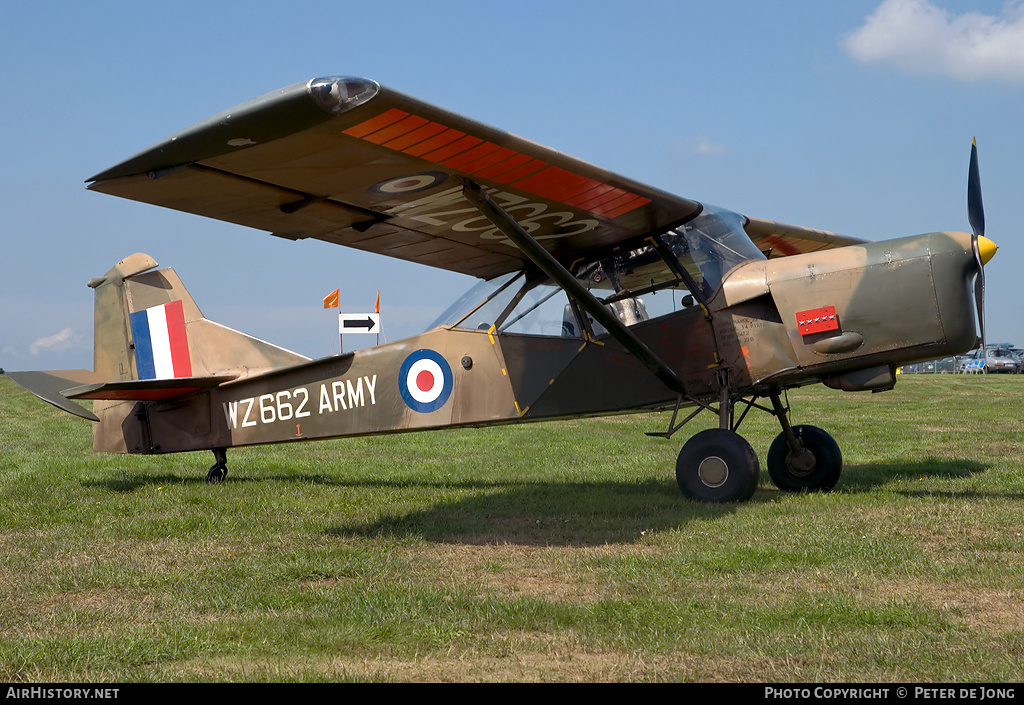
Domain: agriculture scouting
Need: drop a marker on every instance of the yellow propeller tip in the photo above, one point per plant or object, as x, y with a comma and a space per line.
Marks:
986, 248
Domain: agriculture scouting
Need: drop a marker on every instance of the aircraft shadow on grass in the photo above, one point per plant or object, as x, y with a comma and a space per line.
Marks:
552, 513
584, 514
863, 478
545, 514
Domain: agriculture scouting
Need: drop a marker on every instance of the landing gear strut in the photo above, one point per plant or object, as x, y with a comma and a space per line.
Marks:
803, 458
220, 467
718, 465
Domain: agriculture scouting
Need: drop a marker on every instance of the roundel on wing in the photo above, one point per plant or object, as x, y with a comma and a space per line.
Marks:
425, 381
409, 184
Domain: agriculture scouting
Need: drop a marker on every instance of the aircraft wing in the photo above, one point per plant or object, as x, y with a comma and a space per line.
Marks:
348, 161
780, 239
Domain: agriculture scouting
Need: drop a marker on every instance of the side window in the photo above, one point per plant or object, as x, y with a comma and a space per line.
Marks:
636, 309
637, 284
543, 310
480, 307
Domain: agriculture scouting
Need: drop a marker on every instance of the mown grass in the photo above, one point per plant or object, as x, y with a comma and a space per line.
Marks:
556, 552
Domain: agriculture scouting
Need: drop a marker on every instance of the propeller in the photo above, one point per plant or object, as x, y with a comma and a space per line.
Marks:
982, 246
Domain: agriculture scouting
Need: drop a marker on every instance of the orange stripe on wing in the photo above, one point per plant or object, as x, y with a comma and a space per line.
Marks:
556, 183
451, 148
375, 123
457, 147
615, 204
459, 161
447, 137
778, 243
502, 155
492, 172
402, 127
602, 198
588, 195
519, 172
625, 207
416, 136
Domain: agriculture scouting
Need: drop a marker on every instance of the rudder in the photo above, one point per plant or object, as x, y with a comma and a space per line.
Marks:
147, 326
147, 329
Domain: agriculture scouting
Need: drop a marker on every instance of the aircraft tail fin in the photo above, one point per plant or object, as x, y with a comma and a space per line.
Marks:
148, 327
151, 343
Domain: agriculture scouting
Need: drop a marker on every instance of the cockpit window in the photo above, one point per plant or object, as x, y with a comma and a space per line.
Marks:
710, 245
699, 254
647, 278
483, 303
514, 303
637, 283
543, 309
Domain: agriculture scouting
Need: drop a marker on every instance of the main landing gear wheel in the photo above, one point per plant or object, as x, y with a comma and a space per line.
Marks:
220, 468
816, 469
717, 465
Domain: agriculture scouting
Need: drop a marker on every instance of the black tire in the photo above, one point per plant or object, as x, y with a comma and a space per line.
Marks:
823, 474
717, 465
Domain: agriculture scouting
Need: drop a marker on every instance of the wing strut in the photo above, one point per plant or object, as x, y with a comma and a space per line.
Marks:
561, 276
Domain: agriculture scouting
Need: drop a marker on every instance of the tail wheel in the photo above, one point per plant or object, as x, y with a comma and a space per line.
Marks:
717, 465
817, 472
220, 468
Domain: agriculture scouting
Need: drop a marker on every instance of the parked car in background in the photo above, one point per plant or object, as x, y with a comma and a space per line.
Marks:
996, 360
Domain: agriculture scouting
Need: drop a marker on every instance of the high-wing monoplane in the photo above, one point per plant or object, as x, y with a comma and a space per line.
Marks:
597, 295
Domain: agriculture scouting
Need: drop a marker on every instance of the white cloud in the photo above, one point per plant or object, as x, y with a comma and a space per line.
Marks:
920, 38
706, 146
698, 145
51, 341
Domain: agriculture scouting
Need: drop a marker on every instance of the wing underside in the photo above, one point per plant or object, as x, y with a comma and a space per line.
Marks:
780, 239
351, 162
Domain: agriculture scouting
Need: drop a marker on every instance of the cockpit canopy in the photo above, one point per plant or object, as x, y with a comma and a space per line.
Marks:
642, 279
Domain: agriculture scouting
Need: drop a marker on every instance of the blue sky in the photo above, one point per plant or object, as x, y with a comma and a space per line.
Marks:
854, 117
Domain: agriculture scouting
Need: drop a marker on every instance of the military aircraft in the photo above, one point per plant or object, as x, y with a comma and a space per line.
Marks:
598, 295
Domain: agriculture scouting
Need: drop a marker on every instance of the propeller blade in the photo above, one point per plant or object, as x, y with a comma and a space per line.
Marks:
979, 297
976, 217
975, 208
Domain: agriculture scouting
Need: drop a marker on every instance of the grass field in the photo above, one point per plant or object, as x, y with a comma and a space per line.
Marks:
547, 552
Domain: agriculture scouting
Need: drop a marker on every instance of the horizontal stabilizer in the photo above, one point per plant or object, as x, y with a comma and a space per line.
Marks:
48, 385
145, 389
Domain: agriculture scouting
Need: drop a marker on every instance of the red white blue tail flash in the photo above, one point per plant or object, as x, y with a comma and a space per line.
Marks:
161, 344
425, 381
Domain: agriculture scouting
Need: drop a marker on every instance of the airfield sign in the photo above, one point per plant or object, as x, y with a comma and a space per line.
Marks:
349, 323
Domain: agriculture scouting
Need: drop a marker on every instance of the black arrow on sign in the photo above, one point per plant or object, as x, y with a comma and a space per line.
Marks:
367, 324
